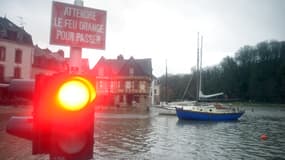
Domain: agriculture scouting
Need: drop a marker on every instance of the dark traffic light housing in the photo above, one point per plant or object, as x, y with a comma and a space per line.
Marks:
63, 117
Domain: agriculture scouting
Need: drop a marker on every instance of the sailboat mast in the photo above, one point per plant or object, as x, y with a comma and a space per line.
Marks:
200, 69
197, 86
166, 82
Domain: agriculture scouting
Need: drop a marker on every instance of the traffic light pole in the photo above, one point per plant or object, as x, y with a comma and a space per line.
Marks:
75, 60
75, 52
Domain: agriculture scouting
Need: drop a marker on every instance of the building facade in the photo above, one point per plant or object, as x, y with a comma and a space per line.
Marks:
16, 52
20, 59
123, 82
47, 62
155, 92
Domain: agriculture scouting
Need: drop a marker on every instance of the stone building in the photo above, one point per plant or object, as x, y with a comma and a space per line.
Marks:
123, 82
47, 62
16, 52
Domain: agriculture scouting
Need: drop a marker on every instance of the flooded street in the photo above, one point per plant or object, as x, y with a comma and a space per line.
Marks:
165, 137
154, 136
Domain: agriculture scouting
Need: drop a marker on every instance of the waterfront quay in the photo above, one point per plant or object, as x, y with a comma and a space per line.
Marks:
11, 147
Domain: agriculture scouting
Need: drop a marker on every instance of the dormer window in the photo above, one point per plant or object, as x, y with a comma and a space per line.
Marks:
131, 71
101, 71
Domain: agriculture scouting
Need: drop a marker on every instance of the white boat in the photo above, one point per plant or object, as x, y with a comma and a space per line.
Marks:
169, 108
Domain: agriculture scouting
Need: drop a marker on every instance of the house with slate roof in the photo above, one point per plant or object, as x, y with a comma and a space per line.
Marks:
123, 82
47, 62
20, 59
16, 51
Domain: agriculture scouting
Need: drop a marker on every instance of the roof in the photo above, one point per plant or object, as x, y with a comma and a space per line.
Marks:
84, 62
10, 31
48, 54
145, 65
120, 66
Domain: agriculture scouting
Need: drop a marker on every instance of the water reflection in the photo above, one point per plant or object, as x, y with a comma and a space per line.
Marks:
119, 138
165, 137
197, 123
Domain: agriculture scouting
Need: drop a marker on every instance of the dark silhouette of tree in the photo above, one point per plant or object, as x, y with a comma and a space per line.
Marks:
255, 73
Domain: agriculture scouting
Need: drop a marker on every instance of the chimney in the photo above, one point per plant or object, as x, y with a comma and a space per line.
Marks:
120, 57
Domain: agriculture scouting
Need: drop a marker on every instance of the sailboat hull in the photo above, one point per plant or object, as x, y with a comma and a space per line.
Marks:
206, 116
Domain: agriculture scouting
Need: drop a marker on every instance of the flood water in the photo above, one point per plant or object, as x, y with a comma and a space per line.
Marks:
155, 136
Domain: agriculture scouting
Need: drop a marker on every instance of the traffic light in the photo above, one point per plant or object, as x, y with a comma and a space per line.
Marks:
63, 117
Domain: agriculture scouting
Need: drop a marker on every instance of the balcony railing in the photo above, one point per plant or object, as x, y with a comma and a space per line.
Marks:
122, 91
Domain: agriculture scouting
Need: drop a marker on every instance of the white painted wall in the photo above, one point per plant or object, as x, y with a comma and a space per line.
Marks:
9, 63
154, 86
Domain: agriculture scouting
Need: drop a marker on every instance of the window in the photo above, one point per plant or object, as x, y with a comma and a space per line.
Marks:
136, 85
112, 84
100, 84
133, 84
18, 56
101, 71
17, 72
1, 73
120, 84
142, 86
2, 53
131, 71
128, 84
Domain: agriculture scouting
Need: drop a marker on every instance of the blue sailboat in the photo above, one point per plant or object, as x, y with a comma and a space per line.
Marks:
207, 111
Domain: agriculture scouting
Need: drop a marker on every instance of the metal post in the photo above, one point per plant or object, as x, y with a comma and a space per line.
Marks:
75, 52
75, 59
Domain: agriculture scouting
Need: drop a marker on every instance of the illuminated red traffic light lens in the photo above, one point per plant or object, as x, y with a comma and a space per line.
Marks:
75, 94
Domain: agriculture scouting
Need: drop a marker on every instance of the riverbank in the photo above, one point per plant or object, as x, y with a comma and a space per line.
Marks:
250, 104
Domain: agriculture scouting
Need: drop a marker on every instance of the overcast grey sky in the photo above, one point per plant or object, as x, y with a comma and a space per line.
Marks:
165, 29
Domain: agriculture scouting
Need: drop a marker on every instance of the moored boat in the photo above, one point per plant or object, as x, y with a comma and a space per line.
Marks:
169, 108
206, 112
209, 112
